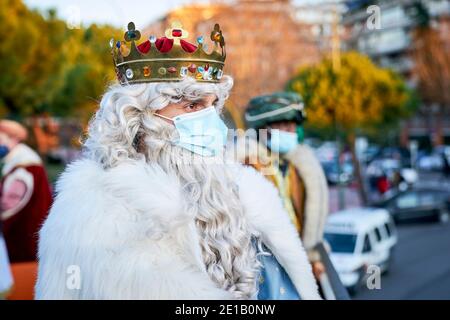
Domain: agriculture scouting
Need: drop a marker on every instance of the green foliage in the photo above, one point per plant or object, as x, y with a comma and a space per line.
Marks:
48, 68
358, 98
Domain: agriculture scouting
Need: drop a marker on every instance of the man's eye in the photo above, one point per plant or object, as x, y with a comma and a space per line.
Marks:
193, 106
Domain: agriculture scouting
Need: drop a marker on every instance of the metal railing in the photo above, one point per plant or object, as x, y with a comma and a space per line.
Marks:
330, 283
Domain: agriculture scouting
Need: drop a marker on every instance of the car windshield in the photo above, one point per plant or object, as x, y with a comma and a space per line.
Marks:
341, 242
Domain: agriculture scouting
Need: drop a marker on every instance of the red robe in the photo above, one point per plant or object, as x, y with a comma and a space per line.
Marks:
20, 229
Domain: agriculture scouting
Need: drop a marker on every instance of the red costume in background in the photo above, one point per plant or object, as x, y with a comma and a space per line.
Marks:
22, 222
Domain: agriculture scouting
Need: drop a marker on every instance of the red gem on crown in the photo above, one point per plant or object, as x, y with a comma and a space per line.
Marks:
177, 33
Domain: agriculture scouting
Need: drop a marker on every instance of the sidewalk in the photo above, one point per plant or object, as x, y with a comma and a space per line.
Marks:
351, 198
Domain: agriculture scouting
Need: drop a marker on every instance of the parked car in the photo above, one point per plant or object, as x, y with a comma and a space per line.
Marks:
430, 162
401, 154
327, 151
417, 204
385, 165
360, 238
370, 153
332, 172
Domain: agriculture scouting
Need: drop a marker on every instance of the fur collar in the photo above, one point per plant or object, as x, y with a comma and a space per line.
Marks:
316, 204
126, 231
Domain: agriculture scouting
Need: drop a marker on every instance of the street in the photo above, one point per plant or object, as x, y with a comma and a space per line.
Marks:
421, 265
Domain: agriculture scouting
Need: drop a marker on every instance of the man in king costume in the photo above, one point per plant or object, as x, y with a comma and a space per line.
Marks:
279, 154
153, 210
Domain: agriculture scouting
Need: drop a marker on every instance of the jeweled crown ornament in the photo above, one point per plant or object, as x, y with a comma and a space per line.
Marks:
169, 58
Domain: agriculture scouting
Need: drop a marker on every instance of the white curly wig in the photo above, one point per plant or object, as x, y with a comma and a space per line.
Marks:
125, 128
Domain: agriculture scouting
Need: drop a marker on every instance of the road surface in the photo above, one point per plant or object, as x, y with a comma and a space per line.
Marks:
421, 265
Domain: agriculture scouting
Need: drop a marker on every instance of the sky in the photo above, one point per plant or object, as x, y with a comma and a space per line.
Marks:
115, 12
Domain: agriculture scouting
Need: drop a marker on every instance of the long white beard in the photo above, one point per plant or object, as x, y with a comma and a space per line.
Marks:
212, 194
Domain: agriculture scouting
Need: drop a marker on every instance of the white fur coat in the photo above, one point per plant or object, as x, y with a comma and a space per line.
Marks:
122, 233
316, 204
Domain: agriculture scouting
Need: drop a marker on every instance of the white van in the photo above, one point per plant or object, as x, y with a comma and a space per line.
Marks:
359, 238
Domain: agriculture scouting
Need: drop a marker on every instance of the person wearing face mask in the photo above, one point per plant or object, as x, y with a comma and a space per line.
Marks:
153, 210
25, 195
289, 164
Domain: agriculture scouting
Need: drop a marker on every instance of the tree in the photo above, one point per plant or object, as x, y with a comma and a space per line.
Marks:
48, 68
359, 98
87, 71
431, 56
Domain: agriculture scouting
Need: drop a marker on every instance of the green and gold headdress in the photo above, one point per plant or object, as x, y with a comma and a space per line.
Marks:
279, 106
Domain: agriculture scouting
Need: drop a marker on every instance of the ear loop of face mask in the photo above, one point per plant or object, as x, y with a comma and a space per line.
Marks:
161, 116
172, 142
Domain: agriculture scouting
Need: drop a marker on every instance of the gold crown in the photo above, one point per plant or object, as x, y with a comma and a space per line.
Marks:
170, 58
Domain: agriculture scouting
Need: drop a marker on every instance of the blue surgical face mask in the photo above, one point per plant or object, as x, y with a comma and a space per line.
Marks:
202, 132
282, 141
4, 150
